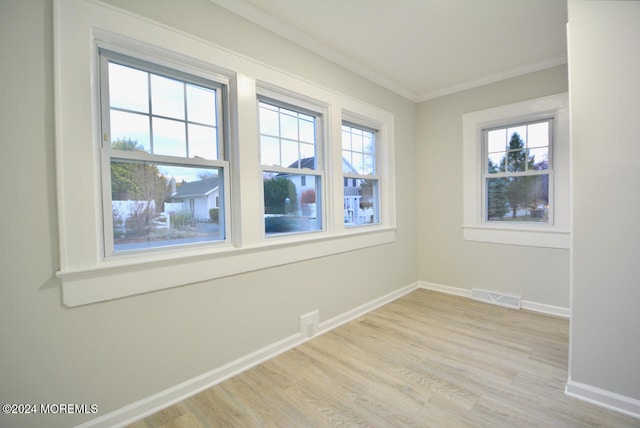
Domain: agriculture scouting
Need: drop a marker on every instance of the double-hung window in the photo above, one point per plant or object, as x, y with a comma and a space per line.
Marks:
517, 175
290, 153
164, 171
360, 175
180, 162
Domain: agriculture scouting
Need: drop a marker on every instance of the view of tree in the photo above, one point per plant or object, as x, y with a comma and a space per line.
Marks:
140, 182
497, 203
516, 193
366, 193
518, 160
280, 196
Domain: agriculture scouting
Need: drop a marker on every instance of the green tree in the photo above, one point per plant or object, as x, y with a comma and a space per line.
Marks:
280, 196
518, 160
137, 181
496, 194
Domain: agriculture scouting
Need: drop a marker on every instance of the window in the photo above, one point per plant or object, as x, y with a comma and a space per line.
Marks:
162, 154
516, 173
291, 172
360, 179
161, 181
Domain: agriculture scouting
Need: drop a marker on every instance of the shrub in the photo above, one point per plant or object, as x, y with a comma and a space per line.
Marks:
279, 196
214, 215
181, 219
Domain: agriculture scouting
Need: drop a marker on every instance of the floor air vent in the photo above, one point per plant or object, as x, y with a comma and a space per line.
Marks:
496, 298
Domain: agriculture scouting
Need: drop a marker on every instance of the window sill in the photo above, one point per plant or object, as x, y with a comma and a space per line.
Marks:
528, 236
116, 278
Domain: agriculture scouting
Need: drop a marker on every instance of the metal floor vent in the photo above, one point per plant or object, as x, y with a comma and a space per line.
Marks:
496, 298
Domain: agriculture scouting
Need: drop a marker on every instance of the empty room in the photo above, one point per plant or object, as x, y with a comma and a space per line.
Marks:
320, 213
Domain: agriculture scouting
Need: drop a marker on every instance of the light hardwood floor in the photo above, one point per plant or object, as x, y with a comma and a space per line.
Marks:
425, 360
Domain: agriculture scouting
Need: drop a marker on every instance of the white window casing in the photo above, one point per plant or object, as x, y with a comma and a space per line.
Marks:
552, 234
87, 273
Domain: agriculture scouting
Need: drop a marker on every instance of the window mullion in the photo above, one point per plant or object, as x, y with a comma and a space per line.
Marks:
151, 148
186, 119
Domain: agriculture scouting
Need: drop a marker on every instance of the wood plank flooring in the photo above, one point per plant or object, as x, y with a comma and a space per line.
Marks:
425, 360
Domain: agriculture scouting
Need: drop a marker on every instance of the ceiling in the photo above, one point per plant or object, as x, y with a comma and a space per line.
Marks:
421, 49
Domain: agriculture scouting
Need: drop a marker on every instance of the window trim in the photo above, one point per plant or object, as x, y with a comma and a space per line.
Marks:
282, 98
554, 234
375, 176
81, 27
160, 66
507, 174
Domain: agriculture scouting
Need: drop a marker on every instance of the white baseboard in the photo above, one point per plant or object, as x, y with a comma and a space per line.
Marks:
367, 307
463, 292
542, 308
156, 402
603, 398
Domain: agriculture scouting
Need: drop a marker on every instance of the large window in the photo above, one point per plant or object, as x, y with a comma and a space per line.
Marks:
291, 172
517, 172
162, 154
180, 162
361, 204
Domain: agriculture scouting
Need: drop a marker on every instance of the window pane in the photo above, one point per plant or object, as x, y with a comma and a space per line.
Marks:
347, 166
169, 138
368, 165
201, 105
360, 202
128, 88
158, 205
540, 158
538, 134
307, 131
308, 153
496, 162
269, 151
358, 162
518, 161
497, 140
289, 153
520, 131
523, 199
269, 122
167, 97
288, 126
358, 151
291, 203
203, 142
296, 132
356, 141
130, 126
368, 143
346, 137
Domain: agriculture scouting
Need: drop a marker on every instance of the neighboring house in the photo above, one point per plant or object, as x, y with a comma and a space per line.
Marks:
352, 192
197, 197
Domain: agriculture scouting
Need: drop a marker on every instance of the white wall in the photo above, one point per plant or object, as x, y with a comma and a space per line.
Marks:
114, 353
539, 275
604, 73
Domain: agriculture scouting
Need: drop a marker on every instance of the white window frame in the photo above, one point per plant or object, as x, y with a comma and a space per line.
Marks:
81, 27
555, 233
280, 97
161, 66
352, 122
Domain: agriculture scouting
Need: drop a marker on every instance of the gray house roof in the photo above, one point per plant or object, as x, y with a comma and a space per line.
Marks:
194, 189
310, 163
